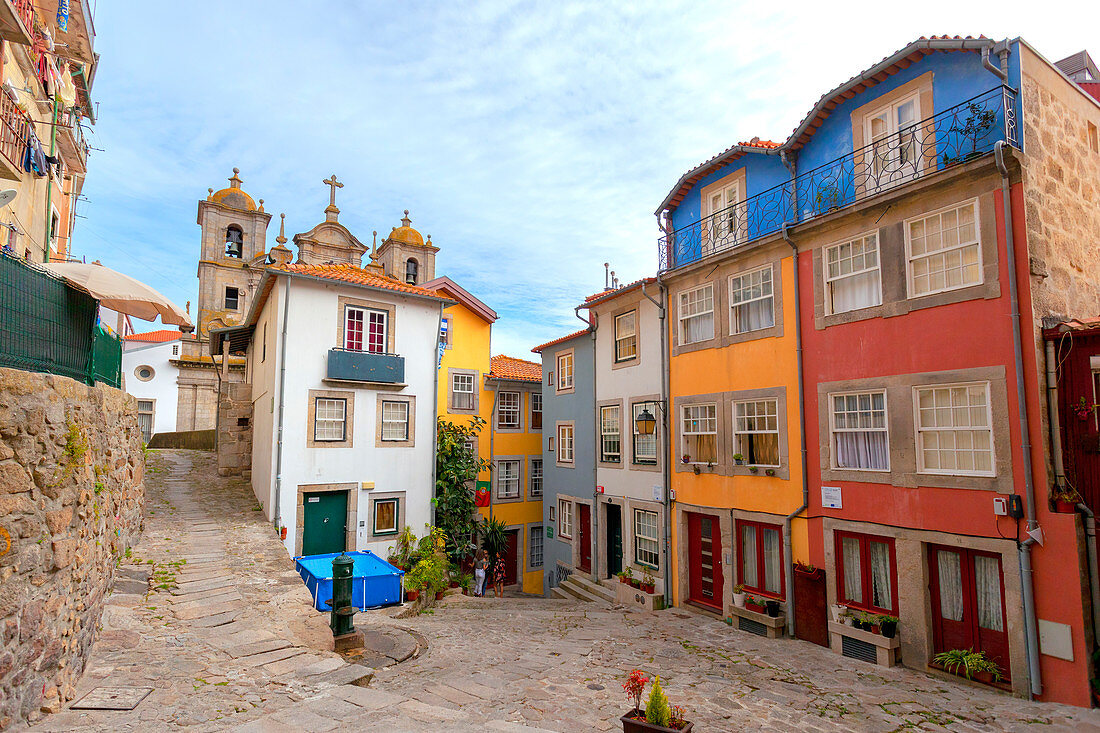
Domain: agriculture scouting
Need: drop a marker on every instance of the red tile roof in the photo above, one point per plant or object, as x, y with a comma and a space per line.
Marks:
538, 349
517, 370
156, 337
611, 294
1073, 324
355, 276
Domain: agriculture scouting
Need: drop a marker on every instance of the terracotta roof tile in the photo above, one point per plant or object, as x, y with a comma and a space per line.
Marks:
538, 349
519, 370
609, 294
355, 276
155, 336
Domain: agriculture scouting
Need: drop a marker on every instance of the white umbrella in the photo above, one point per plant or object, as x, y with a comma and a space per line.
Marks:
121, 293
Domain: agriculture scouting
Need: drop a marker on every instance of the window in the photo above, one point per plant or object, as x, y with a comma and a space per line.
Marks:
761, 558
756, 432
646, 544
395, 421
536, 411
565, 371
697, 315
565, 519
727, 223
534, 550
626, 336
1094, 139
536, 479
365, 330
852, 276
330, 420
866, 572
145, 372
751, 301
232, 298
645, 446
610, 435
145, 419
234, 241
891, 133
411, 269
508, 479
943, 251
954, 430
385, 516
700, 433
55, 221
176, 348
860, 439
565, 444
462, 391
508, 409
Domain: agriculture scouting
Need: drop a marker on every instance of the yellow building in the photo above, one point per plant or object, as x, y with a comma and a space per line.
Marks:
506, 393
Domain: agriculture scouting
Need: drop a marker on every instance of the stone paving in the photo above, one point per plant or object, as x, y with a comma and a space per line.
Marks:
236, 645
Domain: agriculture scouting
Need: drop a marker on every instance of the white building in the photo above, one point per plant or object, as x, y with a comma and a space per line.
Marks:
150, 374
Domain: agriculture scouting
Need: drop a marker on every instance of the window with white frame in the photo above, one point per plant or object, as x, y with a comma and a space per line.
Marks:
330, 420
536, 411
508, 479
565, 370
626, 336
565, 519
700, 433
954, 429
176, 348
610, 434
891, 134
646, 544
853, 279
944, 251
860, 439
697, 315
534, 553
365, 330
395, 421
508, 409
645, 446
752, 303
536, 478
462, 391
756, 431
565, 444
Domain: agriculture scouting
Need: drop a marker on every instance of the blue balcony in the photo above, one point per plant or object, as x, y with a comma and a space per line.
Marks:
364, 366
956, 135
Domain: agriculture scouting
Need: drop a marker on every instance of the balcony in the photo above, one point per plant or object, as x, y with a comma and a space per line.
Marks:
72, 143
364, 367
14, 133
16, 21
956, 135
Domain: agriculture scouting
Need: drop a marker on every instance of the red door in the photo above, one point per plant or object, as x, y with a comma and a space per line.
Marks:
705, 560
968, 602
511, 557
584, 537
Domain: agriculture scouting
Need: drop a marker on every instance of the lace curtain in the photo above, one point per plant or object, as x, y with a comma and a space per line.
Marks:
950, 578
698, 328
881, 592
853, 581
753, 316
748, 556
855, 292
772, 566
862, 450
987, 587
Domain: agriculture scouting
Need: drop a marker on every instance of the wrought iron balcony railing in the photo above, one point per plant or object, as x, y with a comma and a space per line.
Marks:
958, 134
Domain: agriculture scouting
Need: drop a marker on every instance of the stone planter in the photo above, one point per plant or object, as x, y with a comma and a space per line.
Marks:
634, 725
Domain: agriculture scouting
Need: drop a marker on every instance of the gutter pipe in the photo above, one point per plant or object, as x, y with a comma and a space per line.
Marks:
282, 402
492, 434
1031, 634
665, 428
435, 415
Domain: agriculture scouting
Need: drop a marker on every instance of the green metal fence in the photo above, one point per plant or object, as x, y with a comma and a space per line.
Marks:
47, 325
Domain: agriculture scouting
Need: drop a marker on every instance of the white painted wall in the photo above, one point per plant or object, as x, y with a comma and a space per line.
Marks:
262, 372
162, 387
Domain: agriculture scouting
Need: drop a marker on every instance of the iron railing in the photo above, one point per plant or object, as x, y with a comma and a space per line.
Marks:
15, 131
25, 10
956, 135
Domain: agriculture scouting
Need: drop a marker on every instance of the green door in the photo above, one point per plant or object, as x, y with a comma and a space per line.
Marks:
326, 516
614, 540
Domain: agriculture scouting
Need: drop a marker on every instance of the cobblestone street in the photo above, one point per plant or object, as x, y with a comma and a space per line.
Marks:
228, 640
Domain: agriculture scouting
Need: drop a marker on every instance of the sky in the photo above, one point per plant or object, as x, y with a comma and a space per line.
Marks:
532, 140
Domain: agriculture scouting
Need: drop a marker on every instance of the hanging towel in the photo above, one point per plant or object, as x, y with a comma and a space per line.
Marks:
63, 15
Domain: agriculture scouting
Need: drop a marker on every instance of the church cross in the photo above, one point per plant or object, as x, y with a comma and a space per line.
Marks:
333, 184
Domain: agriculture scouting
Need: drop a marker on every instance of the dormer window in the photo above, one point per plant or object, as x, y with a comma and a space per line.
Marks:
234, 241
411, 269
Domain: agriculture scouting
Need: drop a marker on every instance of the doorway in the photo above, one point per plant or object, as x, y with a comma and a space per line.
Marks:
614, 539
584, 537
704, 561
324, 529
968, 602
511, 557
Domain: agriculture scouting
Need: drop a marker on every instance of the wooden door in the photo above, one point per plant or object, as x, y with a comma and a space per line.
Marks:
614, 539
584, 537
511, 557
968, 605
325, 522
705, 560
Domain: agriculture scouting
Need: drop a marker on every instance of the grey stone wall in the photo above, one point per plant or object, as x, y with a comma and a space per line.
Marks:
235, 430
72, 493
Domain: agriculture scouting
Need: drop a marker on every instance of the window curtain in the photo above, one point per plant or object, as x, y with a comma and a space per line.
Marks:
853, 580
753, 316
705, 448
748, 557
762, 449
862, 450
950, 577
699, 328
773, 568
987, 582
857, 291
881, 592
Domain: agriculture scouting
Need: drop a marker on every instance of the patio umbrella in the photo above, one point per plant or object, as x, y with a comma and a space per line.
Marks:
120, 292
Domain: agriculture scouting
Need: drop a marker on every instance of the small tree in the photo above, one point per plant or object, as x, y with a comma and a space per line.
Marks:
657, 710
456, 470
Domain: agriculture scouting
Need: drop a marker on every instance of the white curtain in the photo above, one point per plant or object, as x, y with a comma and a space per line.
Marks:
950, 576
881, 593
857, 291
866, 450
753, 316
853, 581
772, 567
987, 582
699, 328
748, 556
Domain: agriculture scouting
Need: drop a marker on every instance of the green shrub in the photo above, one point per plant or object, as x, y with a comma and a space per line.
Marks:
657, 710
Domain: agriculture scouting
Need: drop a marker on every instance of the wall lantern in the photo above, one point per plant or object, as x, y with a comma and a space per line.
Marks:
645, 422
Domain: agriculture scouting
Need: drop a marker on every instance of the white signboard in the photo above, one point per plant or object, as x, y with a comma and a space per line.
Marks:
830, 497
658, 492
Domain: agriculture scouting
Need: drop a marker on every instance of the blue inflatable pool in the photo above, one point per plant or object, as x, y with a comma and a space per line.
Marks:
374, 581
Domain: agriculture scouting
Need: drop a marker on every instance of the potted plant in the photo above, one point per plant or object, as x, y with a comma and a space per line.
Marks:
982, 668
769, 471
686, 458
621, 575
772, 607
753, 603
889, 626
739, 595
808, 569
953, 661
1065, 500
648, 583
659, 716
635, 686
753, 469
969, 664
739, 459
464, 580
871, 623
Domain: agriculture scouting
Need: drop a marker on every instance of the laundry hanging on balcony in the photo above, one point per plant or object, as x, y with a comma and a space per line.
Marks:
34, 160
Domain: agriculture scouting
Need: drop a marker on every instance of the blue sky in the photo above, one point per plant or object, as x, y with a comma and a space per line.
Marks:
532, 140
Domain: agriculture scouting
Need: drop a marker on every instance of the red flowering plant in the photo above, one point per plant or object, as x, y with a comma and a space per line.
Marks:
676, 719
635, 686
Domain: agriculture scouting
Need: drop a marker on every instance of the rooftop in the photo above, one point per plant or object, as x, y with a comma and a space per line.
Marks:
155, 337
616, 292
516, 370
538, 349
355, 276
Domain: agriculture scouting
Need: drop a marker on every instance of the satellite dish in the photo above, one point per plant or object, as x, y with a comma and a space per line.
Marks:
7, 196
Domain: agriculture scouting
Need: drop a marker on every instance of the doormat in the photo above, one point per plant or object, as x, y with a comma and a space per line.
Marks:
112, 698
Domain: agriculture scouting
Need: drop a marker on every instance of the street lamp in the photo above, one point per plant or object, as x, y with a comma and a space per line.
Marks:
645, 422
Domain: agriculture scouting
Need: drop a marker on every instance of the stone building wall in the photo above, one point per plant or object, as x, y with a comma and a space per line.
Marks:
235, 430
71, 499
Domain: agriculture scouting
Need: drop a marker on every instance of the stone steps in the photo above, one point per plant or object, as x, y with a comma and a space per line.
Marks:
586, 590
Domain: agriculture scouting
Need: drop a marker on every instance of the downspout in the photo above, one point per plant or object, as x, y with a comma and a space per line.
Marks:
49, 183
282, 403
435, 415
1031, 635
665, 421
595, 518
998, 71
787, 542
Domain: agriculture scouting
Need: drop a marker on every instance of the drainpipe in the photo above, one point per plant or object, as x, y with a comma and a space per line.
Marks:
435, 416
787, 543
998, 71
1031, 634
282, 403
595, 519
49, 183
665, 422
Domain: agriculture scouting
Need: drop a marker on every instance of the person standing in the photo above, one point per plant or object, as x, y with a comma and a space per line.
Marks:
498, 577
481, 566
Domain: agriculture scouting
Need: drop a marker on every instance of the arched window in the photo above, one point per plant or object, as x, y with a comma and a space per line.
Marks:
234, 241
411, 268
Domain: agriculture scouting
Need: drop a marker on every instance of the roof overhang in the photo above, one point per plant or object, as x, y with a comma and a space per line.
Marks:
463, 296
237, 337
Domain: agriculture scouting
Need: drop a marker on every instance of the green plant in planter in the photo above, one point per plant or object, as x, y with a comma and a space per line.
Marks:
657, 710
953, 660
494, 538
738, 458
978, 662
401, 552
753, 469
647, 580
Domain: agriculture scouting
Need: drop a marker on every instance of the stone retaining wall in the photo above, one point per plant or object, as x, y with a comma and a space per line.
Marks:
72, 494
235, 429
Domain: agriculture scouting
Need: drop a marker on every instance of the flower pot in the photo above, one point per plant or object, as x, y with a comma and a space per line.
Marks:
623, 579
889, 629
1064, 507
439, 595
739, 461
411, 595
648, 587
838, 613
640, 725
986, 678
739, 599
635, 583
772, 608
758, 608
875, 629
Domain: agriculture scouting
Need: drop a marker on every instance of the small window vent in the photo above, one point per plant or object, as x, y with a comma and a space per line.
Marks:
753, 627
858, 649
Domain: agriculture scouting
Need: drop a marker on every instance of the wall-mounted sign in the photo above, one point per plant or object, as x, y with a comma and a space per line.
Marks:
830, 497
549, 532
599, 489
658, 492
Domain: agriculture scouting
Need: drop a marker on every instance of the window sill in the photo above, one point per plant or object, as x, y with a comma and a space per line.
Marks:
390, 386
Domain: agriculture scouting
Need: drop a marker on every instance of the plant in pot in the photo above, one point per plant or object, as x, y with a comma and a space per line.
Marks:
888, 625
772, 607
753, 603
738, 459
982, 668
1065, 500
648, 583
739, 595
686, 458
402, 550
635, 686
769, 471
839, 613
621, 575
659, 716
754, 469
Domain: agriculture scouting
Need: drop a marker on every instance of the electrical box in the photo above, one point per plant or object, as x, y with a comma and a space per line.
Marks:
1000, 506
1015, 506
